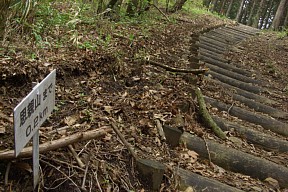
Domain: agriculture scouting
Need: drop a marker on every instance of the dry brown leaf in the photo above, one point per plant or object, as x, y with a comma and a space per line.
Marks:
108, 109
70, 120
24, 166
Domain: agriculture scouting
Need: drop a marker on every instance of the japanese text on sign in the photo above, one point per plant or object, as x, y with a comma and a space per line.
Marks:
33, 111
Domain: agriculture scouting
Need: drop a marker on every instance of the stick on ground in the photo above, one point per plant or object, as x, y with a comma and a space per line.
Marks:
56, 144
172, 69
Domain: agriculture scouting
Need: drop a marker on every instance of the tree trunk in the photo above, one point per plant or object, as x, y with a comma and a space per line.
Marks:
258, 14
4, 11
235, 160
266, 122
279, 17
200, 183
178, 5
132, 7
285, 24
239, 13
214, 4
206, 3
222, 10
268, 16
257, 138
229, 8
252, 13
111, 4
101, 6
286, 19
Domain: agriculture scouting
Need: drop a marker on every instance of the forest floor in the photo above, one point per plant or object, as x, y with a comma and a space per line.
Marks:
102, 77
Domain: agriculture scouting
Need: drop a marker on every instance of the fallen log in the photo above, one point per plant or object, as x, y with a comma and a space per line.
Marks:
231, 37
244, 31
261, 107
255, 97
232, 74
212, 48
218, 49
224, 65
257, 138
221, 39
213, 41
213, 55
205, 116
240, 84
200, 183
172, 69
56, 144
235, 160
267, 123
235, 32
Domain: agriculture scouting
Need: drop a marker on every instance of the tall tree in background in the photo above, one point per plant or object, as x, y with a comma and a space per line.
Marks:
252, 13
206, 3
268, 15
279, 16
214, 5
239, 13
259, 13
132, 7
178, 5
229, 8
4, 5
223, 7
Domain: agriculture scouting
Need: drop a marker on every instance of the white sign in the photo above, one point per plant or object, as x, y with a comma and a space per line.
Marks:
33, 110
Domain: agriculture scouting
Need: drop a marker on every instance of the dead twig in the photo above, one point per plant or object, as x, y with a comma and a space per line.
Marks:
62, 162
208, 151
160, 11
64, 174
96, 178
172, 69
63, 142
230, 108
7, 174
127, 145
75, 155
85, 173
160, 130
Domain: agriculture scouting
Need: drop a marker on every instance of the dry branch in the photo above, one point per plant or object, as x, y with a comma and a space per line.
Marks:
75, 155
172, 69
127, 145
206, 116
160, 130
161, 12
63, 142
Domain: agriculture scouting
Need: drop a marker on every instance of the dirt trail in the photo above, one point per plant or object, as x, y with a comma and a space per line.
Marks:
115, 82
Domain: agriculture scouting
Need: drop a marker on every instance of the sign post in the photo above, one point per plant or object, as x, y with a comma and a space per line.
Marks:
29, 115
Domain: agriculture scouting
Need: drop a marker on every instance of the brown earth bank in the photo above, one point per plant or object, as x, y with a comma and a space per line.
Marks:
115, 83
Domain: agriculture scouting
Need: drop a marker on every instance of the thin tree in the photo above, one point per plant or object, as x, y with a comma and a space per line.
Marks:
252, 13
132, 7
213, 6
259, 13
223, 7
269, 13
178, 5
239, 13
229, 8
279, 17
